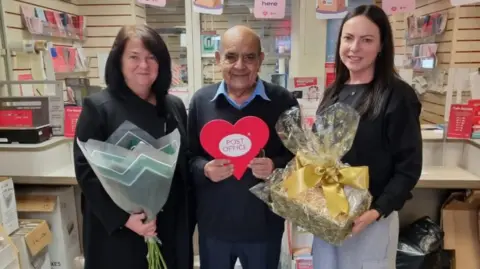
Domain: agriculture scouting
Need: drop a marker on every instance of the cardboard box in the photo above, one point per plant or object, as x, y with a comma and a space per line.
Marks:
32, 240
57, 207
8, 251
8, 206
473, 198
460, 225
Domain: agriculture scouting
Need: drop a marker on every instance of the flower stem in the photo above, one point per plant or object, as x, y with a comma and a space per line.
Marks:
154, 256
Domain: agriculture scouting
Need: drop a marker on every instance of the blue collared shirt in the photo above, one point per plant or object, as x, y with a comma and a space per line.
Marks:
259, 91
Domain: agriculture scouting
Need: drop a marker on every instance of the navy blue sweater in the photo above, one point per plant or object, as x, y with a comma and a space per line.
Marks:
227, 210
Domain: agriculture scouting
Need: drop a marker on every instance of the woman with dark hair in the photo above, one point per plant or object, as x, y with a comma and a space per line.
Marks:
388, 138
138, 77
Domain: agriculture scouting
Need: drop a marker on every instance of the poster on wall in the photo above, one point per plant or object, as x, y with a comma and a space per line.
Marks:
156, 3
213, 7
210, 44
269, 9
333, 29
331, 9
392, 7
309, 93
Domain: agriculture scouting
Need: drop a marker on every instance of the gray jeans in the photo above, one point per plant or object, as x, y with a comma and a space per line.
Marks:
374, 248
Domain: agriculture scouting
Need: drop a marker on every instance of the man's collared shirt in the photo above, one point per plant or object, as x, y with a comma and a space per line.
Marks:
259, 91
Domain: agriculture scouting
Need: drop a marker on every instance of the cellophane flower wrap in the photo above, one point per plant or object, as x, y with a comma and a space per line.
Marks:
136, 170
316, 191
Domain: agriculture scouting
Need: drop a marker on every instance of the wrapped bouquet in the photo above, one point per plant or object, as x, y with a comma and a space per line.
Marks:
316, 190
136, 171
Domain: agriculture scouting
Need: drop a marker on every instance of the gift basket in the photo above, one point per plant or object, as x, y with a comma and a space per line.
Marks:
316, 191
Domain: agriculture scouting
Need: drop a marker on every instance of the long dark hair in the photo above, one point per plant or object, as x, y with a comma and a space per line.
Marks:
373, 100
153, 43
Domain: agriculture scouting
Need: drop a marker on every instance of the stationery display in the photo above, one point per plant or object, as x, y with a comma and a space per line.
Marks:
136, 171
424, 56
39, 21
68, 59
239, 143
426, 26
315, 190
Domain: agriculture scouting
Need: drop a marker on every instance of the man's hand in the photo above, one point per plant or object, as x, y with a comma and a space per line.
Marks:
218, 170
262, 168
364, 220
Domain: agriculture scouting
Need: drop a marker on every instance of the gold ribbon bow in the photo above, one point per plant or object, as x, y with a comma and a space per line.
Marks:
329, 177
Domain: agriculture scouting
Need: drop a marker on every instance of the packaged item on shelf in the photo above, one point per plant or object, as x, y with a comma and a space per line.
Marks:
315, 190
32, 240
31, 119
8, 252
56, 205
25, 135
8, 205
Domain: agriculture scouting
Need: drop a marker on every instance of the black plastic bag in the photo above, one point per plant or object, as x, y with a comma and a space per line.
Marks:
419, 246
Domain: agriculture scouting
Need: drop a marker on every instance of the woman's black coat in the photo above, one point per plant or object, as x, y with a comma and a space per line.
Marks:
107, 243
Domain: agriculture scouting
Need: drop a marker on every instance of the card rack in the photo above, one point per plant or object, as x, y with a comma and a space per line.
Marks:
421, 34
43, 22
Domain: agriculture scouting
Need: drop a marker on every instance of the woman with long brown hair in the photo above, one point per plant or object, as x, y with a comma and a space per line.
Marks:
388, 138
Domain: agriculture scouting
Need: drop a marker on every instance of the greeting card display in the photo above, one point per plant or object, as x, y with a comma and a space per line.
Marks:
239, 143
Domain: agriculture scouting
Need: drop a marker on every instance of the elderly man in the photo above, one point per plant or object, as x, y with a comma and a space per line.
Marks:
232, 222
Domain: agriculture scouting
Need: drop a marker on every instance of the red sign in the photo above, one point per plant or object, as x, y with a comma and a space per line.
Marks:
460, 121
475, 103
16, 118
239, 143
329, 74
71, 117
305, 81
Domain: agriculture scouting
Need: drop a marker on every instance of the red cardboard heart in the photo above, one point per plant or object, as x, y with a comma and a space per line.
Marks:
239, 143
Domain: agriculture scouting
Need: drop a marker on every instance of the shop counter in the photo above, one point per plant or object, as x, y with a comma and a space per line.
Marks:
448, 164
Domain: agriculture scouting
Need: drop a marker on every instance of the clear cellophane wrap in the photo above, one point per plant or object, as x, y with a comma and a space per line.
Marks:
316, 191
